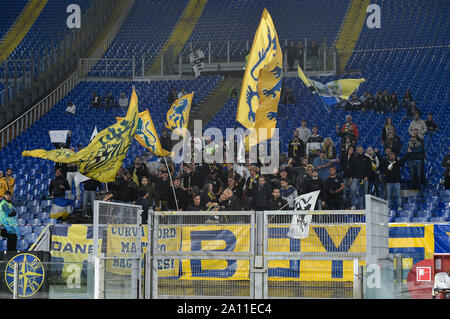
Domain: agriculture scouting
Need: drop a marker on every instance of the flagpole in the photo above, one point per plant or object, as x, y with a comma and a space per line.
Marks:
171, 182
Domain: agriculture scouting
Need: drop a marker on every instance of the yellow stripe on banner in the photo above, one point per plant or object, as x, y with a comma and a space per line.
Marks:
20, 28
180, 33
427, 241
350, 30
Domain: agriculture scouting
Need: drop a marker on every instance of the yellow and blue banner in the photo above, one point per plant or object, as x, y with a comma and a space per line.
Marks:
177, 117
332, 92
147, 136
261, 86
104, 155
415, 242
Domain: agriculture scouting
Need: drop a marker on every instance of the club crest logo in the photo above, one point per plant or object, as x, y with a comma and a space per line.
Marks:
31, 274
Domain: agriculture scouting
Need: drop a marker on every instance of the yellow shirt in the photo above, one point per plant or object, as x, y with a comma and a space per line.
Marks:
4, 185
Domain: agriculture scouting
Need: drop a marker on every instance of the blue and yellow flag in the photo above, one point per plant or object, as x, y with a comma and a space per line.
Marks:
177, 117
261, 86
104, 155
147, 136
332, 92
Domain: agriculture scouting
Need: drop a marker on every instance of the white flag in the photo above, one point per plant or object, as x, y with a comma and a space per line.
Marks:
241, 151
58, 136
94, 133
299, 228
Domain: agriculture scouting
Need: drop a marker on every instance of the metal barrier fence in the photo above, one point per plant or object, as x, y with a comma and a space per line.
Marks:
117, 238
242, 254
212, 245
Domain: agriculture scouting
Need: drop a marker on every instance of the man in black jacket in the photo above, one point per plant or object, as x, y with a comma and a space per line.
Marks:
58, 185
316, 184
138, 170
296, 149
182, 199
278, 203
123, 189
261, 195
360, 169
90, 188
335, 189
391, 170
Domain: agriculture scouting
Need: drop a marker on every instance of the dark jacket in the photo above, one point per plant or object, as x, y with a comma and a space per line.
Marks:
182, 199
345, 162
261, 197
55, 189
141, 171
92, 185
277, 204
392, 175
124, 191
417, 147
231, 204
395, 144
360, 166
296, 149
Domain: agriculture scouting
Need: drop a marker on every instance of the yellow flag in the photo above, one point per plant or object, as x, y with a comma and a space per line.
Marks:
261, 86
146, 134
104, 155
177, 117
331, 92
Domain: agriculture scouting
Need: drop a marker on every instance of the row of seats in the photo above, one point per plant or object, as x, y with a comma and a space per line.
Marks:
238, 21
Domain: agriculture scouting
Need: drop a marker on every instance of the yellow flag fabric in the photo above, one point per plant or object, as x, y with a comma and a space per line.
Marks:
177, 116
147, 136
261, 86
104, 155
333, 91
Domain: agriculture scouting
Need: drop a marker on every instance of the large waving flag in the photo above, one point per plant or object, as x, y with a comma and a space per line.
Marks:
261, 86
146, 134
104, 155
177, 117
332, 92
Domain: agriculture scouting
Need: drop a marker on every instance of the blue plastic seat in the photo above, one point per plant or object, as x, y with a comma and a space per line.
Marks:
22, 245
31, 237
3, 244
402, 220
50, 221
35, 222
420, 220
25, 229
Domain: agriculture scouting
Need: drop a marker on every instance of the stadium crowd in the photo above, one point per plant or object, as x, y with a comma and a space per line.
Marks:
311, 163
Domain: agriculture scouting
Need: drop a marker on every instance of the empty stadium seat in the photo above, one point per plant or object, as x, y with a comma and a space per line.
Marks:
22, 245
3, 244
